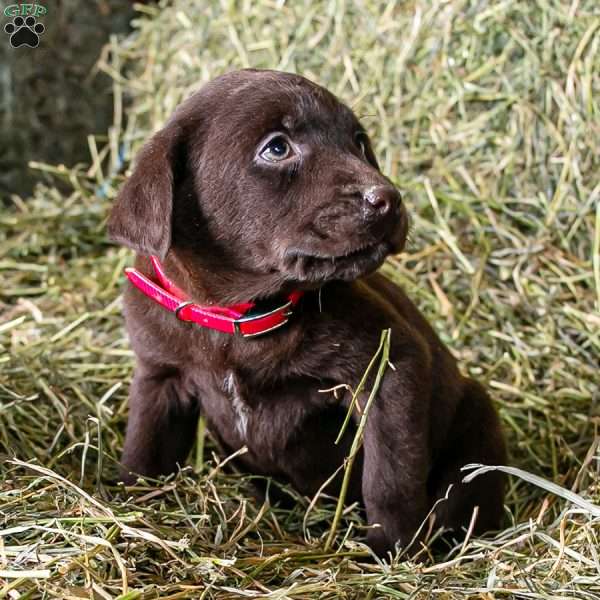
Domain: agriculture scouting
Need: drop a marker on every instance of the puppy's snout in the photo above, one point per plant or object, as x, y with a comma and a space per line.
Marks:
379, 200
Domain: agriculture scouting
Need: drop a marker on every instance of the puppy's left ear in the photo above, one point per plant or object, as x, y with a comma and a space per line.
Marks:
141, 217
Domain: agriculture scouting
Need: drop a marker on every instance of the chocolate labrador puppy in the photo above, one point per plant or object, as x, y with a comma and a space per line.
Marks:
259, 216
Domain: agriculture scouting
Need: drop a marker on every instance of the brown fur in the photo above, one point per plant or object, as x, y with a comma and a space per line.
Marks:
232, 227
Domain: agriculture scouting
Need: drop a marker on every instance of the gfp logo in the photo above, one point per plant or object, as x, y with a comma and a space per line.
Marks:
24, 30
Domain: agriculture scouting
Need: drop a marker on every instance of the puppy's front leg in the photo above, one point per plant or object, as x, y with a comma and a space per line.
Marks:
161, 426
396, 457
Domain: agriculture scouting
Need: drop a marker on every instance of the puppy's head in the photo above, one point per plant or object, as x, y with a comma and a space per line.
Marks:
264, 180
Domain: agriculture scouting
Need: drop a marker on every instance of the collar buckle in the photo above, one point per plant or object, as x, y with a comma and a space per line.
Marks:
180, 307
283, 309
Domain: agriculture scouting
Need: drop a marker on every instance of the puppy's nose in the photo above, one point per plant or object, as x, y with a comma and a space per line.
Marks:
380, 199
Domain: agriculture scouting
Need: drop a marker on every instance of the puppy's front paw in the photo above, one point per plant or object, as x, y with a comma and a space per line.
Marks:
127, 477
378, 542
382, 544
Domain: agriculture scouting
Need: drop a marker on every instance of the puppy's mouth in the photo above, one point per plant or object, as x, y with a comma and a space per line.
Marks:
317, 267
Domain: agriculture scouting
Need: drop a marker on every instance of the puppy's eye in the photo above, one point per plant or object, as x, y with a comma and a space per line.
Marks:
363, 143
276, 149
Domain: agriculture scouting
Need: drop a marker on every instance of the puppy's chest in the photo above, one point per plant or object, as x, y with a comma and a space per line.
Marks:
240, 409
263, 419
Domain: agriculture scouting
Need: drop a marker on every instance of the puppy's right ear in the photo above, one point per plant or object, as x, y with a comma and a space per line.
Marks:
141, 217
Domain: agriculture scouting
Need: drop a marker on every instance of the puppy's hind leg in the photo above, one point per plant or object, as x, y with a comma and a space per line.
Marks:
476, 437
161, 426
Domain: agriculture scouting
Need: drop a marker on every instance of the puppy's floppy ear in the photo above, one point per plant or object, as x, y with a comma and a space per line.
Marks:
141, 217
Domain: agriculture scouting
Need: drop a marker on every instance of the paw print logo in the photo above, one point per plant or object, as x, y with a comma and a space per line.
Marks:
24, 32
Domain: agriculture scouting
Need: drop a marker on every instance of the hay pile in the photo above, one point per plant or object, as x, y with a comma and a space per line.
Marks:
487, 114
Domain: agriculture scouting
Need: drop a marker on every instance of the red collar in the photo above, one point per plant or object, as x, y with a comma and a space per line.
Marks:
246, 319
